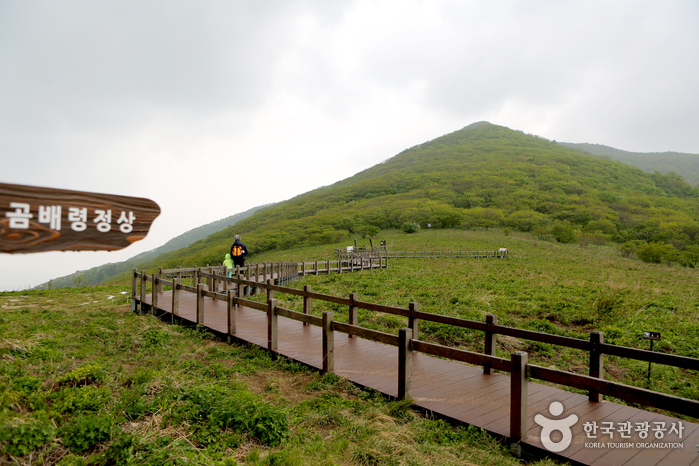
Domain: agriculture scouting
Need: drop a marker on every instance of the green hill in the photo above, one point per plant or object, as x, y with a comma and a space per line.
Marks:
481, 176
687, 165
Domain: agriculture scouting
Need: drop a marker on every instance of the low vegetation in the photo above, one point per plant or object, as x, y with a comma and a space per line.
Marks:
86, 382
544, 285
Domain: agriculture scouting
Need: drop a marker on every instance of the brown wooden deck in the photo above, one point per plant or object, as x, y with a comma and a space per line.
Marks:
458, 391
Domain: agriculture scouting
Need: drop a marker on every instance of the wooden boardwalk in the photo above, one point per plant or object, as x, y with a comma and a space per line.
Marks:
462, 392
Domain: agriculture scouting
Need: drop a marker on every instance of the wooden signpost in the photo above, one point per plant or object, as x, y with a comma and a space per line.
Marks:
35, 219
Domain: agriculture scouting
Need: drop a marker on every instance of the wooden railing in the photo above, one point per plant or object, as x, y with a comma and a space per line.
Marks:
408, 341
498, 254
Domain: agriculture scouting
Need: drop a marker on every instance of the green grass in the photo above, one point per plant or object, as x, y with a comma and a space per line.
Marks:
543, 286
85, 381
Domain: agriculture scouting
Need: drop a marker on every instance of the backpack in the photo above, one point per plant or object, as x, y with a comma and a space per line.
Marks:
236, 251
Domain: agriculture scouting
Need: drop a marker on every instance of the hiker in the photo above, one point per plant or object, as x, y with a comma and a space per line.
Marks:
228, 262
238, 252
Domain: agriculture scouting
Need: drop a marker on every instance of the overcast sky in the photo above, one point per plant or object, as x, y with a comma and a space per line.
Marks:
252, 102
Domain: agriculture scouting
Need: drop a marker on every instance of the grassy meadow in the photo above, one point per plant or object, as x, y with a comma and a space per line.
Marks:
85, 381
546, 286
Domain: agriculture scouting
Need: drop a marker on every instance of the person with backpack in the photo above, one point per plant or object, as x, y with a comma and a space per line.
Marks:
238, 252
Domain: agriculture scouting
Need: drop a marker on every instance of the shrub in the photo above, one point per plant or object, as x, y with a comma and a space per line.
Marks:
410, 227
82, 375
19, 438
563, 232
656, 252
84, 432
75, 400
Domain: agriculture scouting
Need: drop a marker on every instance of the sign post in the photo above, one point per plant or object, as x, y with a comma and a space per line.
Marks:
652, 336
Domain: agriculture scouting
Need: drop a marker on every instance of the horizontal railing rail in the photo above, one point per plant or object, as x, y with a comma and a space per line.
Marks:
421, 254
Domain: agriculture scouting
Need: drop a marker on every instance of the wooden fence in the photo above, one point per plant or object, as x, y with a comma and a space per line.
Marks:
498, 254
408, 341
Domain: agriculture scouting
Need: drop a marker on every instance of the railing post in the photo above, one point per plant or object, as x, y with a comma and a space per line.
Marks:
160, 275
596, 362
230, 300
179, 272
328, 342
200, 303
247, 277
303, 269
270, 293
490, 341
155, 288
134, 289
144, 288
307, 301
518, 397
195, 278
257, 273
272, 325
240, 286
353, 318
412, 320
315, 264
327, 265
175, 298
405, 363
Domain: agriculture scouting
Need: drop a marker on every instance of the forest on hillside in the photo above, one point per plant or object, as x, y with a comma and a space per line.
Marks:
484, 176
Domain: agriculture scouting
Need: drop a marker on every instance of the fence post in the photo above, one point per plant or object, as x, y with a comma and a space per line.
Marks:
195, 278
412, 320
155, 288
200, 303
405, 363
270, 293
241, 288
307, 301
353, 318
315, 264
272, 325
144, 288
247, 277
160, 275
257, 273
490, 341
596, 362
175, 298
134, 289
328, 342
179, 272
230, 300
518, 397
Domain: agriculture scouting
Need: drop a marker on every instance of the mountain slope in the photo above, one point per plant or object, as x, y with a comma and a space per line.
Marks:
107, 272
480, 176
687, 165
